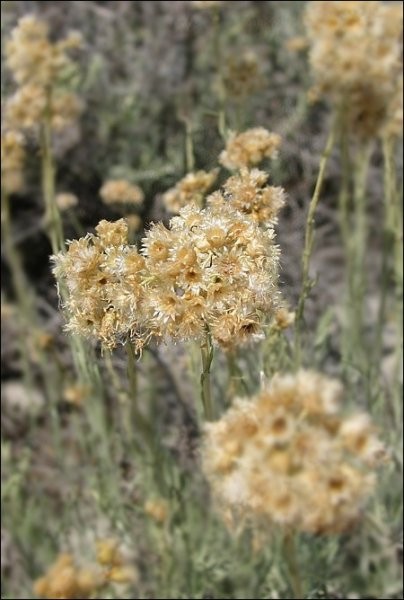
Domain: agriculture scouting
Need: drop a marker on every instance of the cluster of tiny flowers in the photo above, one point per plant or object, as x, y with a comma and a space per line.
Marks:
39, 67
190, 189
288, 457
212, 269
356, 59
65, 579
249, 148
120, 191
65, 201
242, 75
12, 161
103, 277
247, 193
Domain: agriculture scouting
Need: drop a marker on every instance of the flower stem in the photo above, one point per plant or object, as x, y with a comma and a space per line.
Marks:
309, 239
289, 551
221, 93
52, 215
206, 393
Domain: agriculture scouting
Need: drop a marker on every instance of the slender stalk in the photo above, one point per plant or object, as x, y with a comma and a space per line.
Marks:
189, 147
221, 90
356, 264
135, 416
393, 250
206, 393
309, 239
52, 215
289, 551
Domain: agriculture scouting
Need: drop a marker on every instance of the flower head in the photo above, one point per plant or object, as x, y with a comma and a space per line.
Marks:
120, 191
290, 458
249, 148
190, 189
355, 56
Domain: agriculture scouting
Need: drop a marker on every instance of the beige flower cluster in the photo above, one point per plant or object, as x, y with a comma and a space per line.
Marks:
40, 69
103, 276
249, 148
190, 189
248, 193
213, 269
120, 191
356, 58
12, 160
66, 200
65, 579
288, 457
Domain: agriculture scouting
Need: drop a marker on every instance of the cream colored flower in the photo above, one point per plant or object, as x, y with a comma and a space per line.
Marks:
190, 189
249, 148
120, 191
288, 457
356, 59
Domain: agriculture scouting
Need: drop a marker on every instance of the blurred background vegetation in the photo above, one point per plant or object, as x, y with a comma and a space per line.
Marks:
146, 72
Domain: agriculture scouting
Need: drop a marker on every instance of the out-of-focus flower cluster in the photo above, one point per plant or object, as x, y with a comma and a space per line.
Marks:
356, 58
67, 579
212, 269
12, 160
41, 69
249, 148
288, 457
242, 75
190, 189
120, 191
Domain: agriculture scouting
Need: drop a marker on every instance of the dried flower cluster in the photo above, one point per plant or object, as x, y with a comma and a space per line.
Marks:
356, 59
12, 161
213, 269
248, 193
103, 277
249, 148
289, 458
190, 189
65, 201
65, 579
120, 191
41, 69
242, 75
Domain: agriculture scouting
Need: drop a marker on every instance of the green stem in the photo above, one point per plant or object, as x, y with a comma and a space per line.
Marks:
289, 550
135, 416
221, 118
206, 393
356, 266
308, 241
189, 147
52, 215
